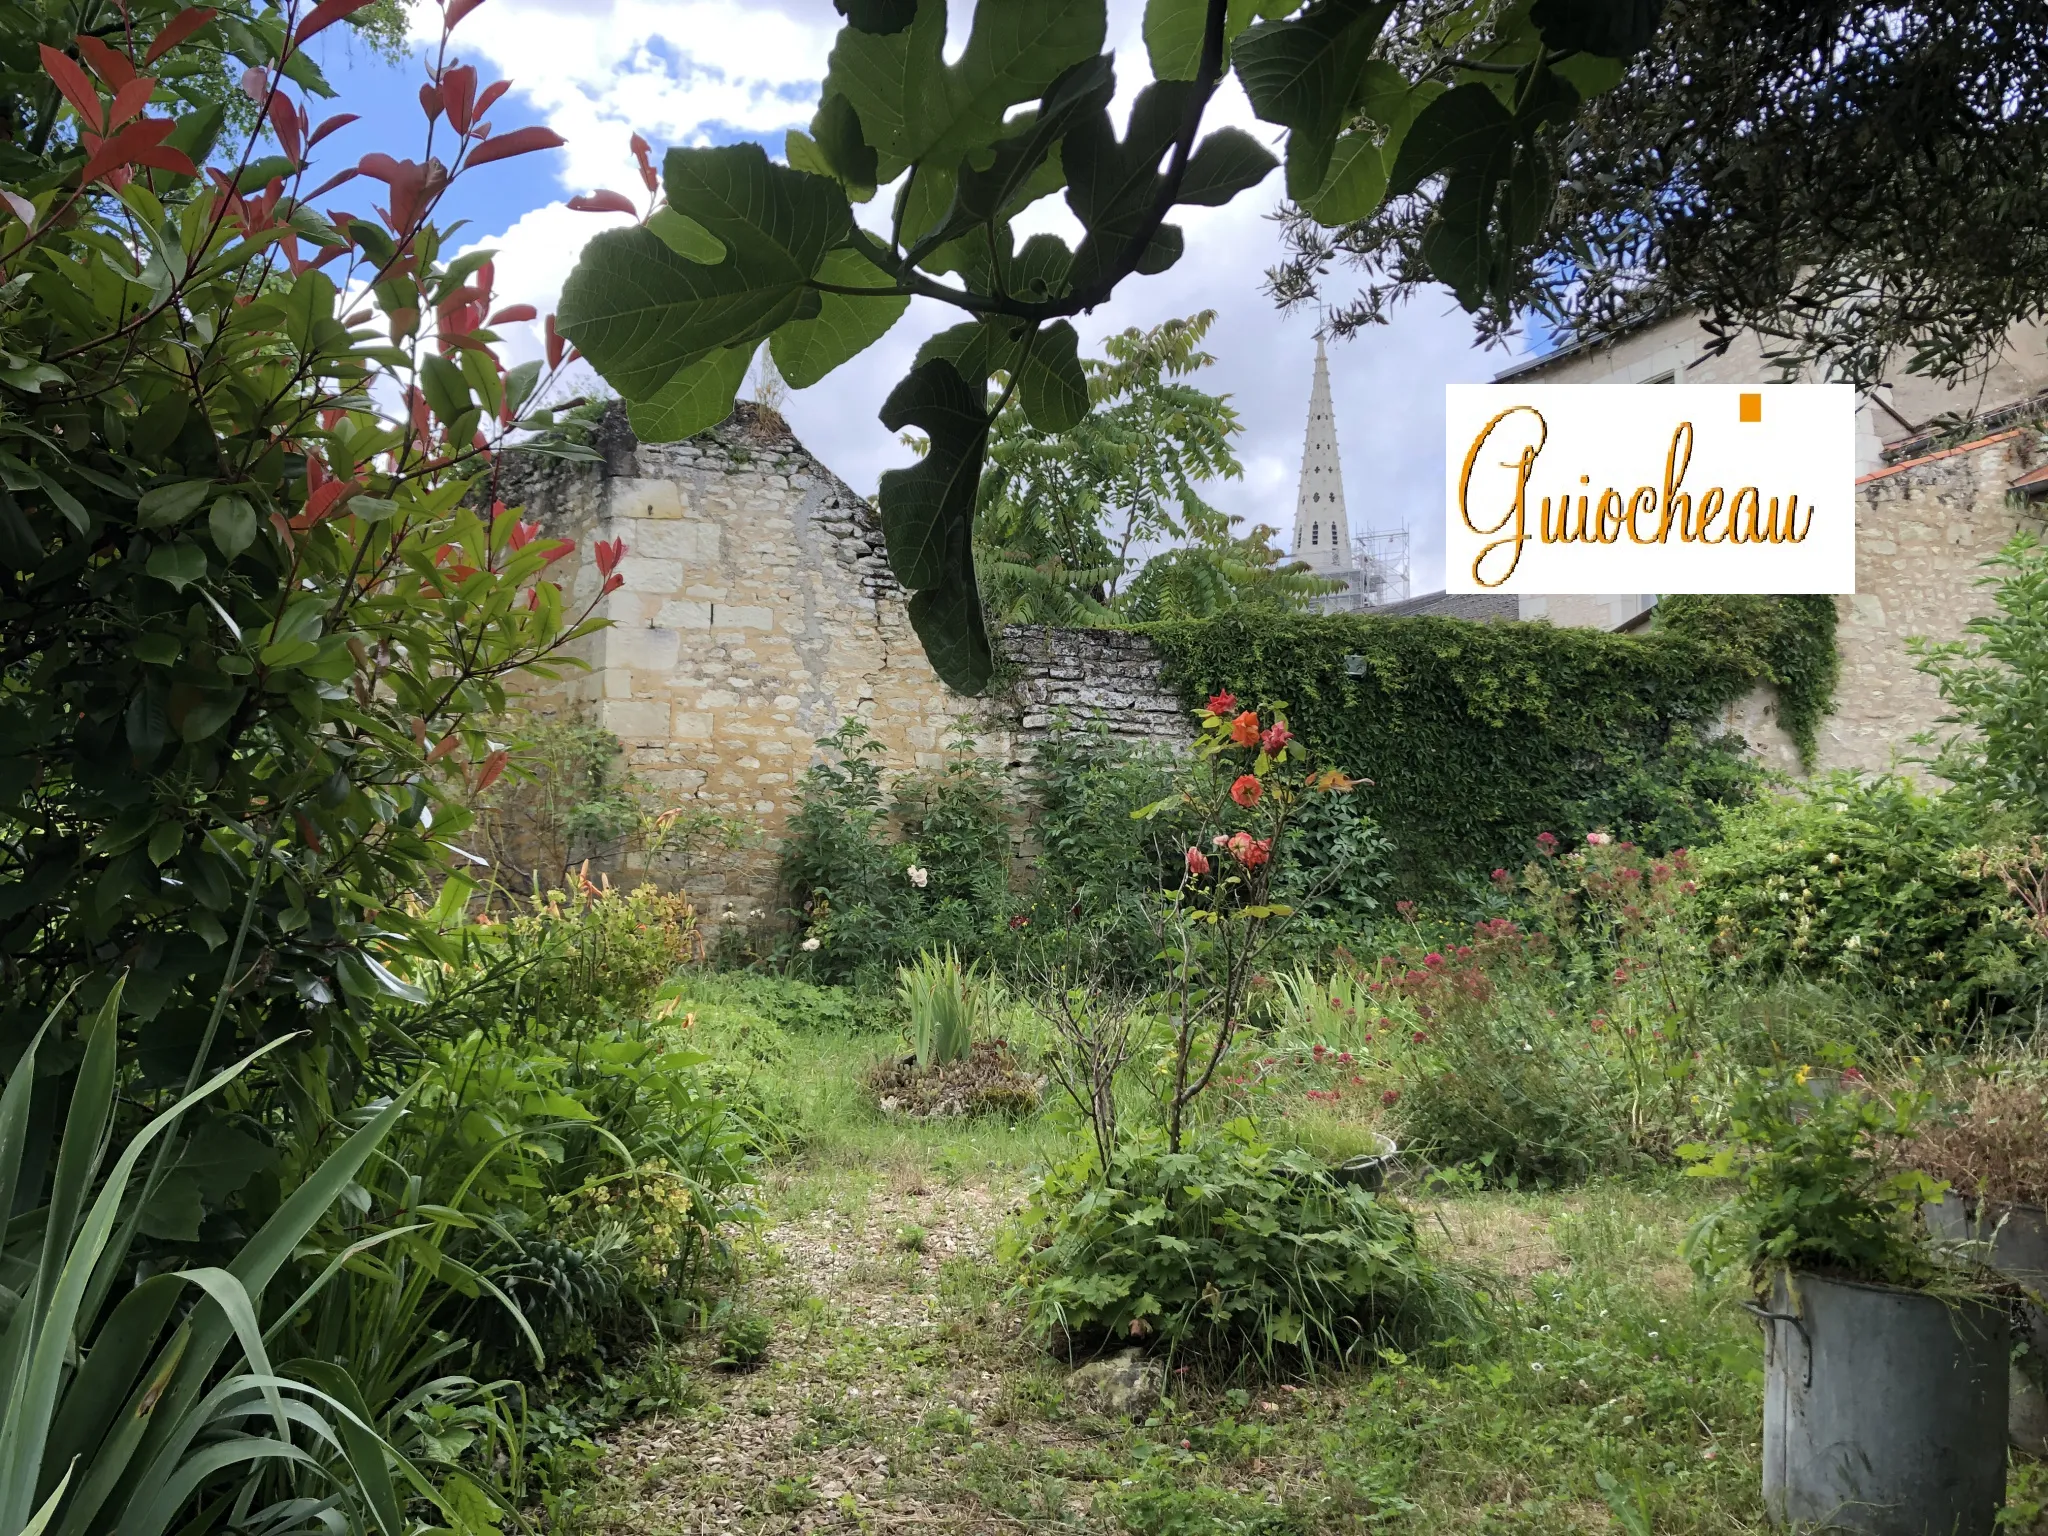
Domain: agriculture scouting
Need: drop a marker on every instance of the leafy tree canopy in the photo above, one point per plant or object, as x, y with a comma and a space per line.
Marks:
741, 249
1061, 512
1859, 182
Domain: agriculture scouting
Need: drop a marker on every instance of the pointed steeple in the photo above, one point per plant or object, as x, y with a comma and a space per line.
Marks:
1322, 531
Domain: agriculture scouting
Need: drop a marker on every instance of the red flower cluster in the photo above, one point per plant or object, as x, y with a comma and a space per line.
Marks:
1198, 862
1221, 703
1246, 790
1244, 730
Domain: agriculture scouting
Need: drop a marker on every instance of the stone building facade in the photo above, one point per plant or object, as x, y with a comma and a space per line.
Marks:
1929, 512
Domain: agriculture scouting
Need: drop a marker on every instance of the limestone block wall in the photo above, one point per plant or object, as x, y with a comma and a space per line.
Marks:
1924, 527
757, 613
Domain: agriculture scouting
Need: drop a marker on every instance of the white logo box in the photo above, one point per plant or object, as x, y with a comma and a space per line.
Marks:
1650, 488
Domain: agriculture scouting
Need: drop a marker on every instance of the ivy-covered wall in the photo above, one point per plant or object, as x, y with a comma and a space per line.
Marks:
1478, 736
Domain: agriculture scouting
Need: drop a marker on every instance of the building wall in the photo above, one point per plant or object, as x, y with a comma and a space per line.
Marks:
1924, 528
1678, 347
757, 613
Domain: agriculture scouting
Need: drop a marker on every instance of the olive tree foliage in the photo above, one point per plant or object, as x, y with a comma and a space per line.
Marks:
1859, 182
742, 249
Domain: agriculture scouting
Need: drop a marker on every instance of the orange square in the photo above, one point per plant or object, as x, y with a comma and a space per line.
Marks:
1752, 407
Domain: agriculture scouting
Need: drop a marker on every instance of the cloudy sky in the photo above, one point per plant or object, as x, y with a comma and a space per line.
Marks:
719, 71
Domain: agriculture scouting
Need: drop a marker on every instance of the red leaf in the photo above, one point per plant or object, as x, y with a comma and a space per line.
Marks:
325, 15
130, 100
330, 125
456, 12
513, 312
458, 96
489, 99
23, 209
256, 83
320, 502
177, 29
142, 143
165, 158
307, 831
285, 123
493, 766
75, 85
445, 745
520, 141
643, 153
603, 201
554, 341
331, 183
430, 101
109, 64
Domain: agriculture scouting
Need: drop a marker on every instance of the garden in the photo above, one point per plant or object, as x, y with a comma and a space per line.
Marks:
1458, 1090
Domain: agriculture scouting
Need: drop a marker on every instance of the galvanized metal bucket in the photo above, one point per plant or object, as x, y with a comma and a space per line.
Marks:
2016, 1239
1884, 1409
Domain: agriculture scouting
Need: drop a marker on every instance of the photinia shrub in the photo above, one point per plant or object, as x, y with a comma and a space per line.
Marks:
258, 598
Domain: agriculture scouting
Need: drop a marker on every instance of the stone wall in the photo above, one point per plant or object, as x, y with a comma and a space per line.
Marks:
758, 612
1924, 528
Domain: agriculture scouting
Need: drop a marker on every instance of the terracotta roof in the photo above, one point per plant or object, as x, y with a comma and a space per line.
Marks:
2034, 482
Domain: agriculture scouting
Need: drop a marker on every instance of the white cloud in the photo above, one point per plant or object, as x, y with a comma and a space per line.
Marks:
688, 71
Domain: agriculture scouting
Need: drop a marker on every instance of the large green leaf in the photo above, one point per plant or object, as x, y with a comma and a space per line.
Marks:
641, 312
845, 326
1051, 386
1113, 185
1013, 175
1227, 162
836, 131
1307, 75
928, 517
976, 348
913, 105
695, 400
1174, 28
1463, 129
1356, 183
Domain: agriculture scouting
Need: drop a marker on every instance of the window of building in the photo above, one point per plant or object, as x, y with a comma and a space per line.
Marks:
1315, 533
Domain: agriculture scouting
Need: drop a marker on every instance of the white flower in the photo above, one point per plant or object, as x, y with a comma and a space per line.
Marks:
1599, 839
919, 877
810, 943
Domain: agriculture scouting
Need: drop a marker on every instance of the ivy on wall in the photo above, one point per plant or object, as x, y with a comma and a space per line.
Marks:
1478, 736
1786, 641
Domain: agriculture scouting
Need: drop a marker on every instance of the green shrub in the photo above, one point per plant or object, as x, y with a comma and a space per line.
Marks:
1230, 1250
799, 1007
1474, 737
865, 900
1820, 1184
1493, 1076
743, 1337
1869, 881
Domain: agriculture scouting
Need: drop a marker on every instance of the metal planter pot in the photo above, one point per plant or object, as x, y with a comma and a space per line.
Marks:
2018, 1240
1371, 1170
1884, 1410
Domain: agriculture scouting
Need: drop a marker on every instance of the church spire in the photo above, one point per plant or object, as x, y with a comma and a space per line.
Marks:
1322, 531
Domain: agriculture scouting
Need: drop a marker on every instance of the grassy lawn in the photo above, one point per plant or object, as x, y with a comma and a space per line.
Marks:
900, 1392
